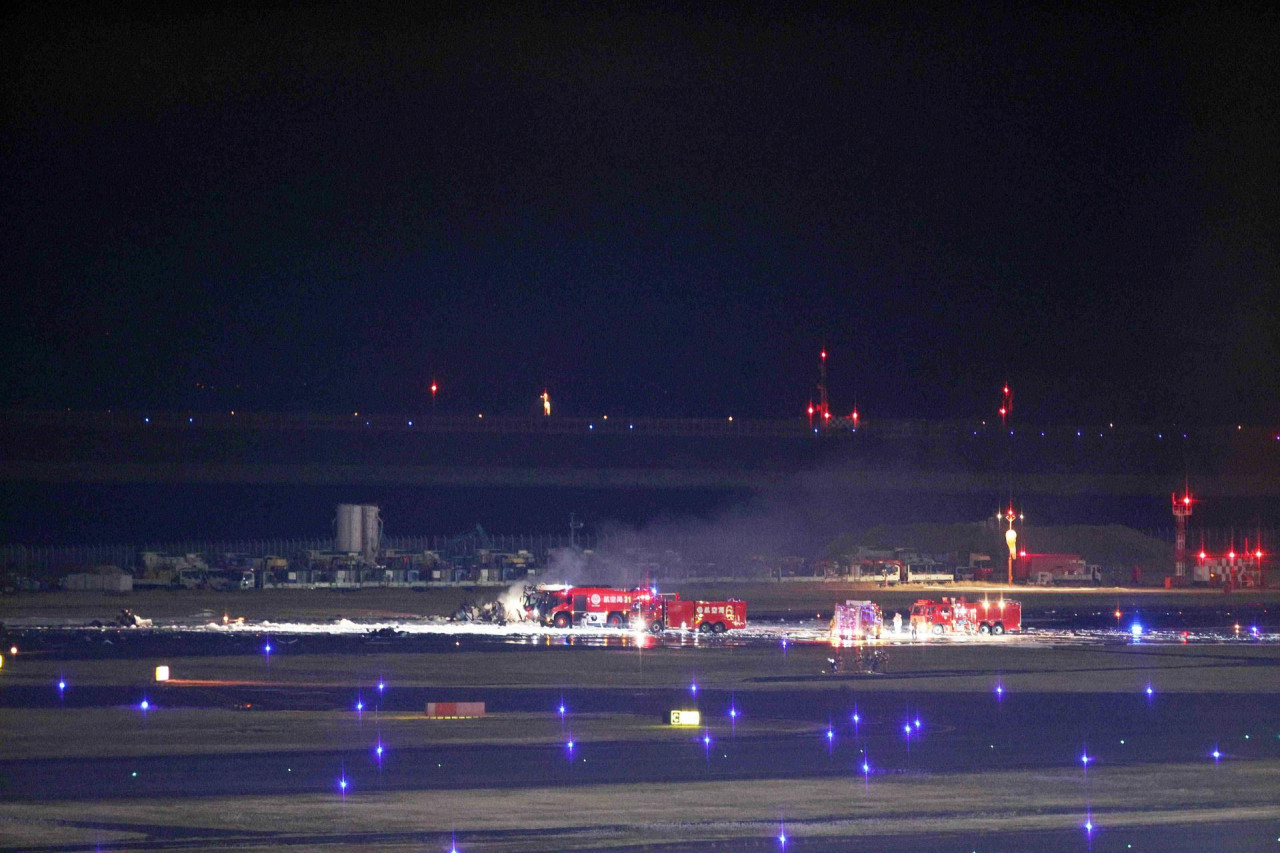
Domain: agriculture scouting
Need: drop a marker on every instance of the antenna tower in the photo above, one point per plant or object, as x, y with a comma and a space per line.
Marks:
1181, 512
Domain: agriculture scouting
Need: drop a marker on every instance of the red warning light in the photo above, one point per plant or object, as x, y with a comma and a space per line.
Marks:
1258, 553
824, 355
1232, 554
826, 415
811, 410
1003, 411
1202, 555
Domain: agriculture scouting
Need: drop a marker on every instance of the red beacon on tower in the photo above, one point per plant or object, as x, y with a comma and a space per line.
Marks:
1006, 405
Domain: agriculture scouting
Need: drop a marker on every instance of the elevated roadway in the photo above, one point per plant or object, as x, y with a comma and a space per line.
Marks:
952, 457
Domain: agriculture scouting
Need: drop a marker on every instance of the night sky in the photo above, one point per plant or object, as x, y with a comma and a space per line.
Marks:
648, 212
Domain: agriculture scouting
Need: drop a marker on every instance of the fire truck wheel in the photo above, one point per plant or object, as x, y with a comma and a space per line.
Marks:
614, 620
984, 628
562, 620
997, 629
656, 626
937, 629
718, 628
705, 628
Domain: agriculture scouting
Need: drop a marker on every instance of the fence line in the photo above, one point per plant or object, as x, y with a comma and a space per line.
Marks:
673, 552
47, 559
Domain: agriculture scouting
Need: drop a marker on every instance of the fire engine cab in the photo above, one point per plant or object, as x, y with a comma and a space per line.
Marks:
856, 620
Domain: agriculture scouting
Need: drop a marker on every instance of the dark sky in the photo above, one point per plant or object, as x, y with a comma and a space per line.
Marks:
652, 213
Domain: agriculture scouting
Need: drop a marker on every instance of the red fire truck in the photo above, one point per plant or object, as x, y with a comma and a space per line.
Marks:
572, 606
657, 612
956, 614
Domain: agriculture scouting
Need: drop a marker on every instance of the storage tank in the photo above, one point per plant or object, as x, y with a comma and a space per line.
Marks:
370, 531
349, 527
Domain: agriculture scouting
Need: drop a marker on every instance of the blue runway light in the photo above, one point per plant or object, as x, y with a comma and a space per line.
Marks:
359, 705
917, 722
1085, 758
1136, 629
144, 705
1150, 691
1216, 754
381, 686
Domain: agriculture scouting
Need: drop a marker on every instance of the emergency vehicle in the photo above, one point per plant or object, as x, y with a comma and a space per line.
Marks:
856, 620
573, 606
657, 612
956, 614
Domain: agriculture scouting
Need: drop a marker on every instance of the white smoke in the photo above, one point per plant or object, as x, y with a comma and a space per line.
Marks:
566, 565
511, 603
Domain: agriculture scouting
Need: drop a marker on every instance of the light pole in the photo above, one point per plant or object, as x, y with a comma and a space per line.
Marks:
1010, 535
